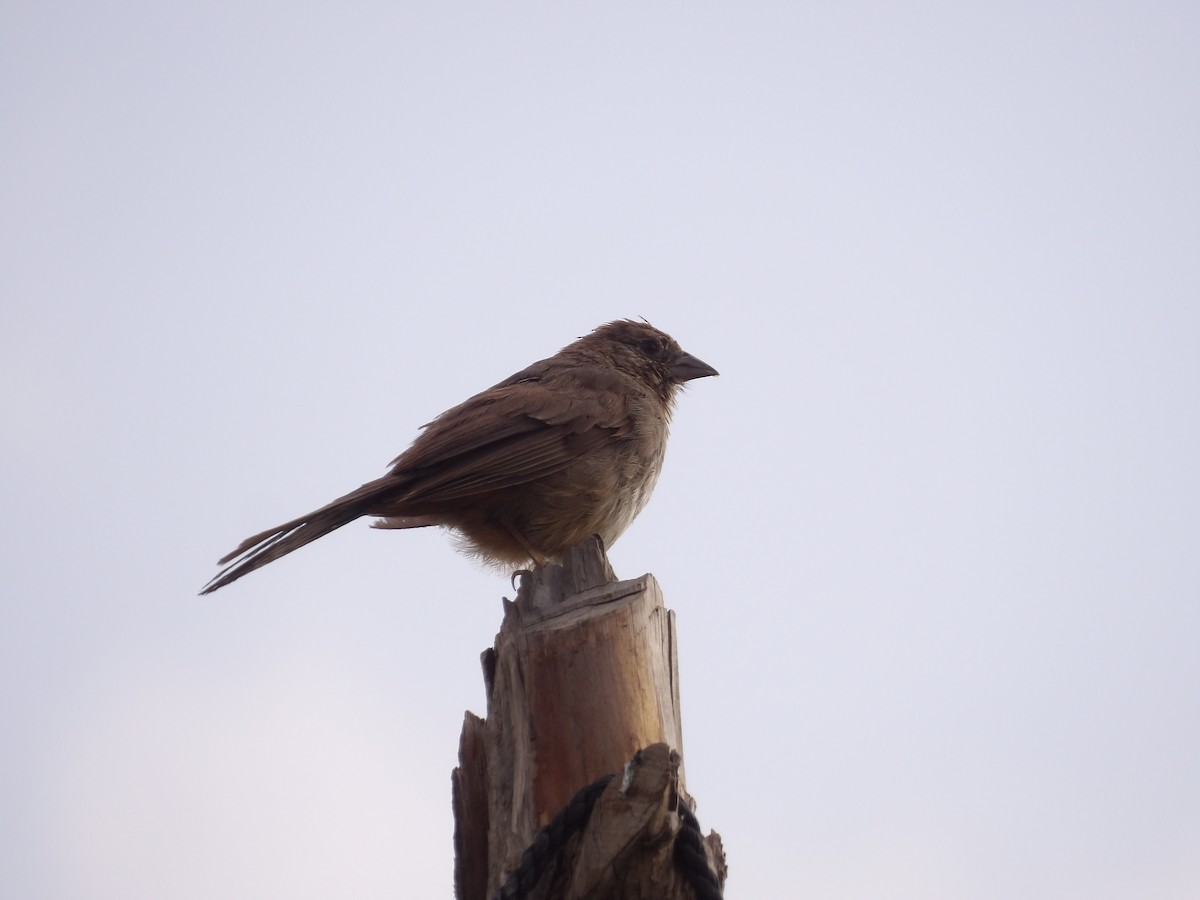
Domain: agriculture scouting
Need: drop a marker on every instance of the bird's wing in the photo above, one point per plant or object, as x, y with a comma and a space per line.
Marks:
510, 434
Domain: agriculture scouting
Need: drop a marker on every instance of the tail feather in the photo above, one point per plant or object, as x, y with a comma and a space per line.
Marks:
267, 546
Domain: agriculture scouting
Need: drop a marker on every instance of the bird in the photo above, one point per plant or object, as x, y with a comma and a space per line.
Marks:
564, 449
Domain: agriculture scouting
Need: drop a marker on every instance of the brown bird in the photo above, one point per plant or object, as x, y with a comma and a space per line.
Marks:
567, 448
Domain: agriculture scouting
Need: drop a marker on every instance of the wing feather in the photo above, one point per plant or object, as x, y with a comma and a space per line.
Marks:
509, 435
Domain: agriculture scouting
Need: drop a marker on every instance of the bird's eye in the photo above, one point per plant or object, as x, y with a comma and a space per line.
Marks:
650, 346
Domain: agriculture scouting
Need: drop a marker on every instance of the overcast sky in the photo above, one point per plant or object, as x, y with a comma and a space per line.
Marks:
933, 537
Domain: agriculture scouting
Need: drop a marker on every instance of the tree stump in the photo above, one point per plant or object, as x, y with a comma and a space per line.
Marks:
583, 675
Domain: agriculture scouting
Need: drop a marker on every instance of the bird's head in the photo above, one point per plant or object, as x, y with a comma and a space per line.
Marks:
647, 353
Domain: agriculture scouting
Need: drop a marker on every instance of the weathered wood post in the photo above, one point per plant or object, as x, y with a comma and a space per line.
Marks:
582, 682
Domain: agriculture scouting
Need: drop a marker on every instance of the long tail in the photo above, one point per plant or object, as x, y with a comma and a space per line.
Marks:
267, 546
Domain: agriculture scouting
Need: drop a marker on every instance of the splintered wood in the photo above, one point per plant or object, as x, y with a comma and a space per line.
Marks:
583, 676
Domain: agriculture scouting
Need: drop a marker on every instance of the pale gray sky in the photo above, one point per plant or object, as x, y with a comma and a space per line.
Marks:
932, 536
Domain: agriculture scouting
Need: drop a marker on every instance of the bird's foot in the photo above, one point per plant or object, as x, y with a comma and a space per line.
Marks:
517, 574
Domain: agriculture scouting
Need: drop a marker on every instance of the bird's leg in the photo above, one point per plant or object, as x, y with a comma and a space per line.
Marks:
534, 553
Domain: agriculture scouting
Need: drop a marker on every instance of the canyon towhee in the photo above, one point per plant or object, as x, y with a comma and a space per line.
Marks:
562, 450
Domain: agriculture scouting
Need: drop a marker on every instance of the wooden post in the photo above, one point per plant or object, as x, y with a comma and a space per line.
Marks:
582, 682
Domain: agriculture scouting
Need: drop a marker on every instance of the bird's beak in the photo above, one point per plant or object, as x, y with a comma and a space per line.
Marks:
686, 367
